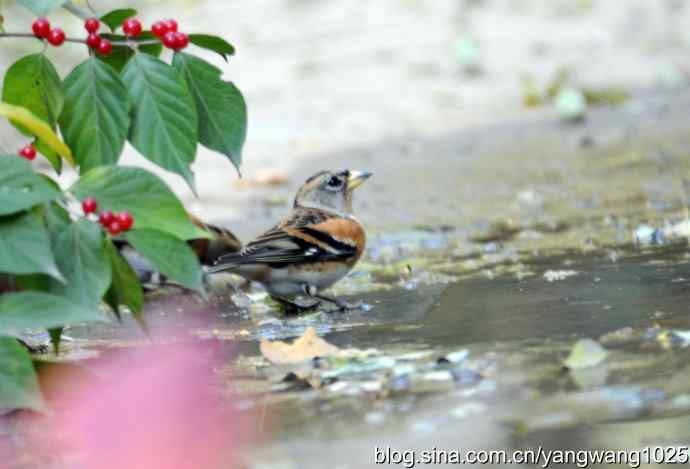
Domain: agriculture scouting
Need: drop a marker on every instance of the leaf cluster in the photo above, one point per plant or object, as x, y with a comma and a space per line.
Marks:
59, 267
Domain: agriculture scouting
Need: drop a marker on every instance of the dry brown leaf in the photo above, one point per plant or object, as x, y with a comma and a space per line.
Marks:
305, 348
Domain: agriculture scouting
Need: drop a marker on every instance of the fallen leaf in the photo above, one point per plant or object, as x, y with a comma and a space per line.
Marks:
584, 354
674, 338
305, 348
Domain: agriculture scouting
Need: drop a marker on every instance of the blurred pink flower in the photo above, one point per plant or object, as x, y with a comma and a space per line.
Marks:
157, 407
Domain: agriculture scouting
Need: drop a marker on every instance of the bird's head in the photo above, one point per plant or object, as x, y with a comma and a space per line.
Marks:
330, 190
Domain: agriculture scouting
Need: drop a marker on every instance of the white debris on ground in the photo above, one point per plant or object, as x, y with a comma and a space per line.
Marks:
645, 235
678, 230
556, 275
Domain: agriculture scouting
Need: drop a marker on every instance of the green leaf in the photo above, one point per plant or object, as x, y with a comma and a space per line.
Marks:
37, 127
21, 187
221, 108
120, 55
164, 121
214, 43
144, 194
41, 7
95, 120
39, 310
33, 282
111, 300
25, 246
125, 288
172, 257
114, 19
33, 83
51, 155
57, 220
18, 382
81, 258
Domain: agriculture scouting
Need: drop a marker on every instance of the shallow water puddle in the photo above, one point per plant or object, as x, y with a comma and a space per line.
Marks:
512, 336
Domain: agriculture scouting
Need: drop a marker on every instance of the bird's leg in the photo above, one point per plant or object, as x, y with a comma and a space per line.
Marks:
292, 308
313, 292
341, 304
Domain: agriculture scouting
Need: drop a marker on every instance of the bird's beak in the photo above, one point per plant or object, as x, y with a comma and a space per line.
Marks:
356, 178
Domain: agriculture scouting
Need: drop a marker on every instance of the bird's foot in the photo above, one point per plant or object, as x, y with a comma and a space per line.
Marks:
341, 305
292, 308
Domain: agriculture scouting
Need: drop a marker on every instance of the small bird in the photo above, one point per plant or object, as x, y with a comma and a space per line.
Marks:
314, 246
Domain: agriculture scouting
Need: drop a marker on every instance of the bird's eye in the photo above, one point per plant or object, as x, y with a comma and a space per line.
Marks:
334, 181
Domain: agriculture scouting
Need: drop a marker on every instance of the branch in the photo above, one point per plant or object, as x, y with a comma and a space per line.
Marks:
30, 35
129, 44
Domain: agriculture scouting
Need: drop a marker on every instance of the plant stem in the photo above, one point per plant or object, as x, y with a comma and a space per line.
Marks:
76, 11
17, 35
81, 41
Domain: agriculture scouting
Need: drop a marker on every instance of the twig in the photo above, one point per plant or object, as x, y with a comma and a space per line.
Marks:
83, 41
29, 35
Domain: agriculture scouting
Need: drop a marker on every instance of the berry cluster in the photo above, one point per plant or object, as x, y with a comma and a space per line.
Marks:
169, 35
115, 223
42, 30
165, 30
100, 44
28, 152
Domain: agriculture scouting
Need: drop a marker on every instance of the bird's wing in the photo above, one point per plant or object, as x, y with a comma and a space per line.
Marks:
292, 242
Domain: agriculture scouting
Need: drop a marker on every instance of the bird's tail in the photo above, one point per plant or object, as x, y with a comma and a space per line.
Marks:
227, 262
223, 242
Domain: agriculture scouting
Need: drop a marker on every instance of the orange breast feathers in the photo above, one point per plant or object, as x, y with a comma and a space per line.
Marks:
346, 231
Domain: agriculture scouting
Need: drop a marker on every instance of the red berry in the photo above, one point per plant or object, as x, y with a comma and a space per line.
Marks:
41, 28
170, 25
114, 228
169, 39
89, 205
56, 37
93, 40
132, 27
105, 47
125, 220
28, 152
106, 218
92, 24
158, 28
181, 41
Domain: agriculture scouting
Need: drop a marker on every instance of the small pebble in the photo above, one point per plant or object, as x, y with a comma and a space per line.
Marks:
469, 409
423, 427
457, 357
375, 418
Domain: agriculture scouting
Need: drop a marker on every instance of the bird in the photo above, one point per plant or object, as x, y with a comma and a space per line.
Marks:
317, 243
